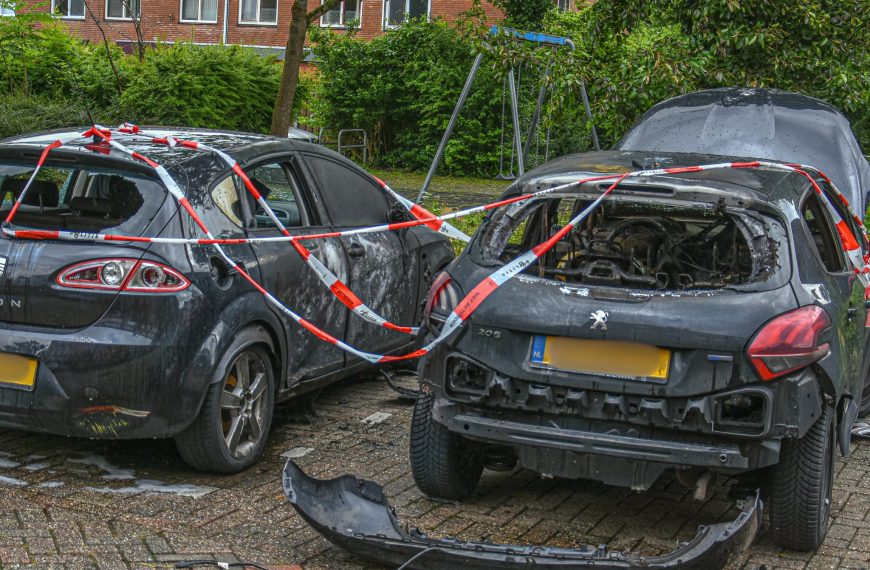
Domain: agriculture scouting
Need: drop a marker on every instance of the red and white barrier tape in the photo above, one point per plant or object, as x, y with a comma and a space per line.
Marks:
336, 286
466, 307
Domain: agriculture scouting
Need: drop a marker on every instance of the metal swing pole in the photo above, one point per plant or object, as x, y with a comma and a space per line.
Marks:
589, 115
450, 126
537, 116
521, 161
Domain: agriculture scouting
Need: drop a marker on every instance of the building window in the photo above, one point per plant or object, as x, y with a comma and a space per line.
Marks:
69, 8
258, 12
199, 11
7, 11
347, 12
564, 5
398, 11
122, 9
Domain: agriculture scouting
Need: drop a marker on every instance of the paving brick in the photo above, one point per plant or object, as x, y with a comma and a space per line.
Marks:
247, 518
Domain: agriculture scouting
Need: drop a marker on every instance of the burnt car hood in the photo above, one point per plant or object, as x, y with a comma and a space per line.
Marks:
354, 514
757, 123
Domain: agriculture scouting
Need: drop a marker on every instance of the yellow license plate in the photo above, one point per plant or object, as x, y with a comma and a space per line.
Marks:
605, 357
17, 371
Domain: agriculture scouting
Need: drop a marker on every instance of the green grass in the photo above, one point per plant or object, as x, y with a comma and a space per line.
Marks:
447, 194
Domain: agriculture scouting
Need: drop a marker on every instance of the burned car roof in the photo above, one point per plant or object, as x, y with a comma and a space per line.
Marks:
240, 146
757, 123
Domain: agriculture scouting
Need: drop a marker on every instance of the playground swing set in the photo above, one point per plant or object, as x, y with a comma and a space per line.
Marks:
519, 151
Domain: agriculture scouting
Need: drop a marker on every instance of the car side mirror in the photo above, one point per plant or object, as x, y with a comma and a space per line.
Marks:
398, 213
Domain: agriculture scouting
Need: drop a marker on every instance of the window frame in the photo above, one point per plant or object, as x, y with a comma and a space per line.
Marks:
846, 215
317, 182
296, 180
831, 230
182, 20
563, 5
54, 9
386, 23
258, 22
342, 19
124, 8
7, 12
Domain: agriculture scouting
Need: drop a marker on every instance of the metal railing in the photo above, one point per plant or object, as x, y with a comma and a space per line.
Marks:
341, 145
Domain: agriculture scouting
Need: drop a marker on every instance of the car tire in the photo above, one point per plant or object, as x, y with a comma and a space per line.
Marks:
799, 493
230, 432
444, 465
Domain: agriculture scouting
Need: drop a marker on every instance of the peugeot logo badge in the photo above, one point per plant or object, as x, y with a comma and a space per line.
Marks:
600, 318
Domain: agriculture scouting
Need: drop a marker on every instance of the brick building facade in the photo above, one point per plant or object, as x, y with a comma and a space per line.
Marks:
256, 23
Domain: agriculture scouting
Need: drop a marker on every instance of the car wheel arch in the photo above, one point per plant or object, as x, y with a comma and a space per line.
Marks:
263, 333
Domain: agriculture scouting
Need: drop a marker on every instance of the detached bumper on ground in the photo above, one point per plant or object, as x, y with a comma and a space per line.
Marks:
354, 514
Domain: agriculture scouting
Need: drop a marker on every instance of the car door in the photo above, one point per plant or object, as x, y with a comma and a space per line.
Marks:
287, 276
843, 295
857, 313
384, 272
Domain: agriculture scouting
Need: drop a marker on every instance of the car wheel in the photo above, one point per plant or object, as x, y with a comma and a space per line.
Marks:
444, 465
799, 495
230, 433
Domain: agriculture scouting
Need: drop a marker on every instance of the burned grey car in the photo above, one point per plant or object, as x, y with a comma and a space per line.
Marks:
707, 322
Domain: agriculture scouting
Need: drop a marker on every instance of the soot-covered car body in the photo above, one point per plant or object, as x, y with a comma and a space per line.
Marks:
189, 356
708, 322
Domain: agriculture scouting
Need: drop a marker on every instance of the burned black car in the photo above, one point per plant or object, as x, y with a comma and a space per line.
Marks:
130, 338
707, 322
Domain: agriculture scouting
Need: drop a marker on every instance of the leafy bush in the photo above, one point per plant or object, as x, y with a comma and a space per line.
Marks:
203, 86
46, 70
25, 113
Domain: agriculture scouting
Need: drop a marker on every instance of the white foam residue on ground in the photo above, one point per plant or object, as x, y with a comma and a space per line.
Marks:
297, 452
50, 484
10, 482
113, 473
376, 418
149, 486
6, 463
36, 466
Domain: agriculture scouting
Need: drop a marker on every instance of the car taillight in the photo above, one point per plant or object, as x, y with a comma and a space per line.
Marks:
789, 342
443, 298
123, 275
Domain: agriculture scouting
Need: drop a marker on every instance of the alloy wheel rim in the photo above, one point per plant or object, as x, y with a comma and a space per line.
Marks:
243, 404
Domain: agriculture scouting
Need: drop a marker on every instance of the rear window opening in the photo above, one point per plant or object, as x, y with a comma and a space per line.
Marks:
637, 244
75, 199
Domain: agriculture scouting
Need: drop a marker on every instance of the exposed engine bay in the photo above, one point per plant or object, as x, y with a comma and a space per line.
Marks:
640, 245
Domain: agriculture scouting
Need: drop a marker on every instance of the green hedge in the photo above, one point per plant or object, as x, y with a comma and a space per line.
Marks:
49, 79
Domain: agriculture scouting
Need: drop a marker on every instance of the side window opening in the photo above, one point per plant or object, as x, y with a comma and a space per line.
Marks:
847, 217
351, 197
819, 225
278, 185
226, 198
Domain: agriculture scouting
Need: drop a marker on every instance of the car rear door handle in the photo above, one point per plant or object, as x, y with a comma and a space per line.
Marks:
356, 250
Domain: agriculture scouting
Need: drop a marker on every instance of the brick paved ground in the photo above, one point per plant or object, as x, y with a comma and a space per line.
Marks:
80, 504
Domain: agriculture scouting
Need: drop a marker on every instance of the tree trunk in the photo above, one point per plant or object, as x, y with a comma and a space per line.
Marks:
281, 116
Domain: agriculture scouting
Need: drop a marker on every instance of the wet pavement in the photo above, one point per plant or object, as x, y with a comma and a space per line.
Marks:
82, 504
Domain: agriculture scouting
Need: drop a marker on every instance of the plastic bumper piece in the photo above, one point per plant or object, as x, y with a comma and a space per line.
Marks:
354, 514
